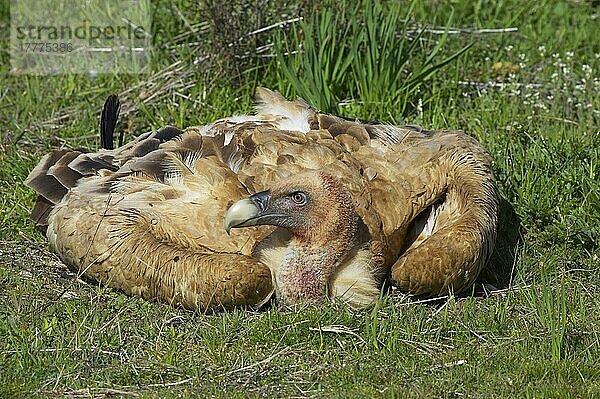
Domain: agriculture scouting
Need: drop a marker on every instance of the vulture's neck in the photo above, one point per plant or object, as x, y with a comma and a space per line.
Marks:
314, 254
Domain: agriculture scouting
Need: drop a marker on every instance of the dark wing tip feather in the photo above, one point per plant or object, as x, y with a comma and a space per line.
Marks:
40, 212
108, 121
167, 133
61, 171
41, 182
89, 164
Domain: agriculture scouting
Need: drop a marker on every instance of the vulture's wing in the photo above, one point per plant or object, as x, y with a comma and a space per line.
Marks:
445, 228
147, 218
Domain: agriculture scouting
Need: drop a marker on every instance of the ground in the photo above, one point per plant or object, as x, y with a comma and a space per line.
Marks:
520, 76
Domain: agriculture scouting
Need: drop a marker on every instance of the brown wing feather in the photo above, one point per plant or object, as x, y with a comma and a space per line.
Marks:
124, 250
89, 164
154, 229
40, 212
66, 176
45, 185
450, 250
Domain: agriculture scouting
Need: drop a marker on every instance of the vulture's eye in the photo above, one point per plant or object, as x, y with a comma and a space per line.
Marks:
298, 197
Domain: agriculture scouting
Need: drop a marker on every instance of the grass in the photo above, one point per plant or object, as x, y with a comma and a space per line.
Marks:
342, 54
530, 96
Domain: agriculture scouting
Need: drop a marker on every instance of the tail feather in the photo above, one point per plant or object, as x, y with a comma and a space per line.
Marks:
108, 122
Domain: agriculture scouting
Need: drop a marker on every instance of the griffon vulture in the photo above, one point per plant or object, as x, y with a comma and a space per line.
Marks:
289, 201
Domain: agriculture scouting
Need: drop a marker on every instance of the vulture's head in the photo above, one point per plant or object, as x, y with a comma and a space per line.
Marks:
319, 213
312, 206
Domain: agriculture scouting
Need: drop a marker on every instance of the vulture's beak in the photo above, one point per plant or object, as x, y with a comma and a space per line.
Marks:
251, 211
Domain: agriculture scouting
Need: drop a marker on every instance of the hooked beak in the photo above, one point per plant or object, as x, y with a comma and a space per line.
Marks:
251, 211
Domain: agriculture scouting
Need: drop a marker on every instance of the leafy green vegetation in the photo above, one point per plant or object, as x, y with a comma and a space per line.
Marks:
520, 76
361, 51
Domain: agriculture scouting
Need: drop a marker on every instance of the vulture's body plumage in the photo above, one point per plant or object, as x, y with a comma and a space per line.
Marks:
339, 207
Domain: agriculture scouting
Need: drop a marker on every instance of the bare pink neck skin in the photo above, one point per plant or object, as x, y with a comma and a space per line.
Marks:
307, 268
